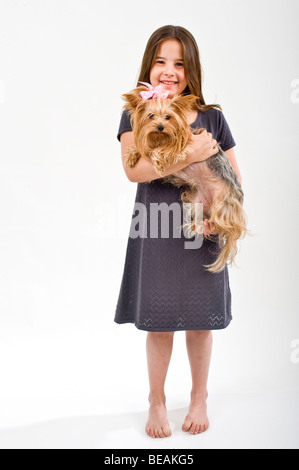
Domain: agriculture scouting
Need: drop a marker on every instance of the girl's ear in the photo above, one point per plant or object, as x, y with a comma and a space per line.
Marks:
133, 98
184, 102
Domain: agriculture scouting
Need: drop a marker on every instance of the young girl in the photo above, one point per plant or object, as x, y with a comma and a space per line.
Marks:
165, 287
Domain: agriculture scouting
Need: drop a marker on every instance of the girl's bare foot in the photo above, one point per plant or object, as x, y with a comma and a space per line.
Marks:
196, 420
157, 424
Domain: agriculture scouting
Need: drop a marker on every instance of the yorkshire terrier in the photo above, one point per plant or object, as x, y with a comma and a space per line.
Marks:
162, 135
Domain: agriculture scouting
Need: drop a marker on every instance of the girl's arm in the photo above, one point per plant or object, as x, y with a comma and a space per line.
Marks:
233, 161
202, 147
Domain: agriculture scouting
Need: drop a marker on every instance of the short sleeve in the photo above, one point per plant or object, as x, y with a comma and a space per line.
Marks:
224, 136
125, 124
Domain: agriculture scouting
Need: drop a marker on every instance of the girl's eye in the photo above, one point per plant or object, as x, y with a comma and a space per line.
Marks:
151, 116
167, 117
180, 64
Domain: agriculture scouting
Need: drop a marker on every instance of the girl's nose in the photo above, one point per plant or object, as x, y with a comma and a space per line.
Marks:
169, 70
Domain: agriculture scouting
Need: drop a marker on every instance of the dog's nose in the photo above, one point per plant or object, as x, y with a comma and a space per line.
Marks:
160, 128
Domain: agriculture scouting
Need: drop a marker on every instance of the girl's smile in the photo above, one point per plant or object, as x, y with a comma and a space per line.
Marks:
168, 84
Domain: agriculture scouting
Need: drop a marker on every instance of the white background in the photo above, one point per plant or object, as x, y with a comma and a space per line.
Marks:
70, 377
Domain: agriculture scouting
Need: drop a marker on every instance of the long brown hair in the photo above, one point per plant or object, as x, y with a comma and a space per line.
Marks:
192, 65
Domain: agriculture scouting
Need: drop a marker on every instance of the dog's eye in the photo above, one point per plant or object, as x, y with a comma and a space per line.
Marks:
151, 116
167, 117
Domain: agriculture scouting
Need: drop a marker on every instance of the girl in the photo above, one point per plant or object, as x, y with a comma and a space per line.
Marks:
166, 288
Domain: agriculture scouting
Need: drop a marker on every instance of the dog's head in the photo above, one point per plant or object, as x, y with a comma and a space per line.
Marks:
159, 122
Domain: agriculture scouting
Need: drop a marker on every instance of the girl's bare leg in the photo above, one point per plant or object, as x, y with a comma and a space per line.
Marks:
199, 347
158, 349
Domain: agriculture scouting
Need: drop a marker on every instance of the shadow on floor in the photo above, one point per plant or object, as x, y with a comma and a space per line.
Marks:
84, 432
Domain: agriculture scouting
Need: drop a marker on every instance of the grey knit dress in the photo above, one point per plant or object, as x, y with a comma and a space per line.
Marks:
166, 287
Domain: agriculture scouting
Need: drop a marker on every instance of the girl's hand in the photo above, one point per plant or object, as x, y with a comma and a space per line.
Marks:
202, 146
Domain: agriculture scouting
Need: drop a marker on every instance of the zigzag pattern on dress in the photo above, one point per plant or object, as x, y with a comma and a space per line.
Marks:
212, 322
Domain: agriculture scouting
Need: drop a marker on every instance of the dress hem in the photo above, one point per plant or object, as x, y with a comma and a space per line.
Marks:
161, 330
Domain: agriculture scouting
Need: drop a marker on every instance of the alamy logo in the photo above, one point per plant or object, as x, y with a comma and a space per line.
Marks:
295, 352
155, 220
295, 92
2, 92
146, 225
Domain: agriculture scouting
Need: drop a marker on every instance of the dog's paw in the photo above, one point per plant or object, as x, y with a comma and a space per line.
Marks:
131, 161
132, 156
185, 197
159, 169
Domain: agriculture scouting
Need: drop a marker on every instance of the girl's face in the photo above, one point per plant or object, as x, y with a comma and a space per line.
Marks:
168, 68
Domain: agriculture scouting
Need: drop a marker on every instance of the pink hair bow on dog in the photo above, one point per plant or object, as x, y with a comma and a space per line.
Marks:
154, 92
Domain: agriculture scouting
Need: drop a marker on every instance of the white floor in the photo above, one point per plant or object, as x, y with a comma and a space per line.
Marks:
88, 389
246, 421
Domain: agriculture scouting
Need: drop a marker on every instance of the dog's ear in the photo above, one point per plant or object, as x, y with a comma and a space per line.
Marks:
133, 98
184, 102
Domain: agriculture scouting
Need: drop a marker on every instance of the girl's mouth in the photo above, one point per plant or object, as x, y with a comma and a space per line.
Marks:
168, 83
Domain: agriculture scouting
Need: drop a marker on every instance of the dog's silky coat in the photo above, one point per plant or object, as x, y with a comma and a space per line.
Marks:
162, 135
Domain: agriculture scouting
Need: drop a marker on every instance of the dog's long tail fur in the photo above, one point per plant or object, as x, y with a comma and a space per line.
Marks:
229, 221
